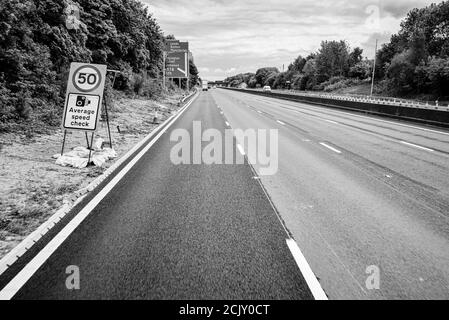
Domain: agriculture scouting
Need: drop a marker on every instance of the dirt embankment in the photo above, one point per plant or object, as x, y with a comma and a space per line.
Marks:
33, 187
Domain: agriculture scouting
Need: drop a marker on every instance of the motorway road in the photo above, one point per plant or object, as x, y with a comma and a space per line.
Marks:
357, 191
177, 232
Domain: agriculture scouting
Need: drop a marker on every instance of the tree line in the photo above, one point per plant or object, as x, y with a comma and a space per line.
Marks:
415, 62
37, 46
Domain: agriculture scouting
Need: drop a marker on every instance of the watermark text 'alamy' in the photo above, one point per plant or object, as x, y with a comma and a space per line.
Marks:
211, 147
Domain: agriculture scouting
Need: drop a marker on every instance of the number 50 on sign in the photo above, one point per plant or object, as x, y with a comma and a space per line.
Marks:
85, 90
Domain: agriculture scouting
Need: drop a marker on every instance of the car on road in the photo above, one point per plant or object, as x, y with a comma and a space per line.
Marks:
266, 89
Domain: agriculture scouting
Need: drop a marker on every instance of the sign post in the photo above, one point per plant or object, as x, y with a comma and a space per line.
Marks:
163, 71
84, 97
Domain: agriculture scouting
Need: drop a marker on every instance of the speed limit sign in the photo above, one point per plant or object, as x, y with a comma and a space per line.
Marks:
84, 96
87, 78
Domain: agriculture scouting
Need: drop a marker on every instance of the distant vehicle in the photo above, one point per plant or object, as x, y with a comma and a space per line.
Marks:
215, 87
205, 85
266, 89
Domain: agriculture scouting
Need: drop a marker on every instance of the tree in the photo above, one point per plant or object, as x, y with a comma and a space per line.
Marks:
401, 72
309, 80
356, 56
263, 73
437, 72
36, 48
252, 82
361, 70
297, 65
271, 78
332, 60
237, 80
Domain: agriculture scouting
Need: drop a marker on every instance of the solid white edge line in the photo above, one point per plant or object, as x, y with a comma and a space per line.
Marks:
30, 269
242, 151
280, 122
311, 280
417, 146
330, 148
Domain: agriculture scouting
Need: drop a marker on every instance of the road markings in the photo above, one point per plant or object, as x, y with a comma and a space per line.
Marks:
330, 121
227, 123
417, 146
242, 151
280, 122
259, 111
319, 110
30, 269
312, 281
330, 148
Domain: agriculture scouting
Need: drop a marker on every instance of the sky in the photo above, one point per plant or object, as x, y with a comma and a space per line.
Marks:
228, 37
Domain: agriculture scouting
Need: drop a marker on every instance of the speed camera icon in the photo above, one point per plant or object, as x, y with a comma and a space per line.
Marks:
82, 101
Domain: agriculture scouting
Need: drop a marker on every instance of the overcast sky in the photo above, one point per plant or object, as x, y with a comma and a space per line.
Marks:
234, 36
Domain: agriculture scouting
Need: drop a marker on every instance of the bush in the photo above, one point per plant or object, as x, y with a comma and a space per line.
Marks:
346, 83
401, 73
361, 70
438, 74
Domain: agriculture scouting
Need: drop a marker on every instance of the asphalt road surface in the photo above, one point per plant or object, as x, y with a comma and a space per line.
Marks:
357, 192
170, 231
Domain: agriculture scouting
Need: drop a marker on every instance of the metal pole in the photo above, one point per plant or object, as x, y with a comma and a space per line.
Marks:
87, 140
90, 148
188, 75
163, 73
374, 69
107, 122
113, 81
63, 142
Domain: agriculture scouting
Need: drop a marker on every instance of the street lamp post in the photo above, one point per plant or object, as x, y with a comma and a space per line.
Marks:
374, 69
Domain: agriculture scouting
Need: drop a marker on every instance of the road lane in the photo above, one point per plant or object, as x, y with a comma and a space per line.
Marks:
378, 203
373, 142
177, 232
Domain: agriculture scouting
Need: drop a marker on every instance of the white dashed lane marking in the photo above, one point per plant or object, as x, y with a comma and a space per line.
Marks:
330, 147
417, 146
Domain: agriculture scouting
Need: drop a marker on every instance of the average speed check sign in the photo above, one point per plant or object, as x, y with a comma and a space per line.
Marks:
85, 90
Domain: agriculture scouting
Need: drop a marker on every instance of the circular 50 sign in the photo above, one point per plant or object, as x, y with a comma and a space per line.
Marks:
87, 78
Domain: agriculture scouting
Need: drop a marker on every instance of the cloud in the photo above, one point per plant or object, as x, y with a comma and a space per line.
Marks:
240, 36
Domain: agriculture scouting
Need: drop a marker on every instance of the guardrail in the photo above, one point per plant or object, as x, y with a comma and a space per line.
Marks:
189, 96
435, 115
370, 99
